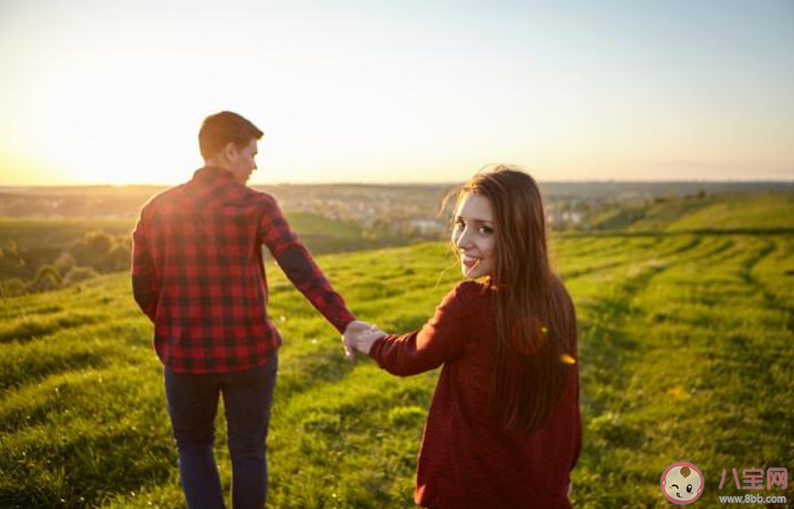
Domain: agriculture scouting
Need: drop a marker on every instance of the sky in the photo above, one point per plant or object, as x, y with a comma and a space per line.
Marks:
376, 91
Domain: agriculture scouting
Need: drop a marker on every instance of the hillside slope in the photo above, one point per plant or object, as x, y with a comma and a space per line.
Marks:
685, 355
767, 212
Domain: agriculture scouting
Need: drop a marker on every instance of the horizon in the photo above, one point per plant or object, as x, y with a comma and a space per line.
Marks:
785, 182
350, 91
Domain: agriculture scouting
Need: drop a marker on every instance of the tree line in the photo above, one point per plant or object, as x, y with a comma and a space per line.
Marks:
97, 252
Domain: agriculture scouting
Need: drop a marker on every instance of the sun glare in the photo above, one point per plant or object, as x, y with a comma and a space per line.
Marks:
92, 99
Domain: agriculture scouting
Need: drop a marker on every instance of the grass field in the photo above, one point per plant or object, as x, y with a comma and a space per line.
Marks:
685, 351
748, 211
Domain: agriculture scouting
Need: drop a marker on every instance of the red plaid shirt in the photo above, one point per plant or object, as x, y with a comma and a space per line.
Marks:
197, 273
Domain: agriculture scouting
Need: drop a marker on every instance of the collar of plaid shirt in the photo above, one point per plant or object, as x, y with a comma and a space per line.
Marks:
212, 172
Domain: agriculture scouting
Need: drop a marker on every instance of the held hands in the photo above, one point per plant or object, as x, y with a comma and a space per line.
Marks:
360, 336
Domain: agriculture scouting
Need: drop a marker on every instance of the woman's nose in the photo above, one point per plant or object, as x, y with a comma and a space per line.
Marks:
463, 240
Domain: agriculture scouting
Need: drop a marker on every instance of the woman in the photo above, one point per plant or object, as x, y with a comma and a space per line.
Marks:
504, 428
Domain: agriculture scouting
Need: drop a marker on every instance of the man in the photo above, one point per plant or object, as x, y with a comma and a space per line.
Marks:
197, 273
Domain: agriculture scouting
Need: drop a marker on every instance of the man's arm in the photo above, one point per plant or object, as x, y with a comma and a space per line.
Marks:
299, 266
145, 288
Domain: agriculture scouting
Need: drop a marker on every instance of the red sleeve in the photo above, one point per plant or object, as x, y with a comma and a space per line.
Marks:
300, 268
145, 287
439, 340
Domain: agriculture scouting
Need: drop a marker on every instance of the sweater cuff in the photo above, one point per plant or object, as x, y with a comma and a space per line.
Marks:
375, 349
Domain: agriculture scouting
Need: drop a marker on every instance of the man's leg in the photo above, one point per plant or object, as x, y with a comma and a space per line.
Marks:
247, 397
192, 405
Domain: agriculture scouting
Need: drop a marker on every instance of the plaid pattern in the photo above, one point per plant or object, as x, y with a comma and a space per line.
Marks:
197, 273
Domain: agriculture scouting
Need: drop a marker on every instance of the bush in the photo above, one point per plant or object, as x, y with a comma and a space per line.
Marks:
119, 257
87, 256
65, 262
47, 278
101, 252
99, 241
78, 274
13, 287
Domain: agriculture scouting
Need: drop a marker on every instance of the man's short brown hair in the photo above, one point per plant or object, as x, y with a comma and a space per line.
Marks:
220, 129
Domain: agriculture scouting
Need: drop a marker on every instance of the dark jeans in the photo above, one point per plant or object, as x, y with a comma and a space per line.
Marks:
193, 404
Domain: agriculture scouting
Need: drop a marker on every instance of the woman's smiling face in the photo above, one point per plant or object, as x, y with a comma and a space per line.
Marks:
474, 237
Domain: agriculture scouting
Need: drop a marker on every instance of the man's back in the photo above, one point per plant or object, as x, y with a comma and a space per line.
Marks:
198, 272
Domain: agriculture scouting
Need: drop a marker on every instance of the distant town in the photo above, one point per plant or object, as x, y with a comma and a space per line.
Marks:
407, 210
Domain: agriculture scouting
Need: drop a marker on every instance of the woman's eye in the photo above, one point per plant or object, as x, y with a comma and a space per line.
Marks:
484, 229
689, 488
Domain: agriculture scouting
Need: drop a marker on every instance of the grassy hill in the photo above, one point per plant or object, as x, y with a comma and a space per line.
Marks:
685, 355
750, 211
711, 212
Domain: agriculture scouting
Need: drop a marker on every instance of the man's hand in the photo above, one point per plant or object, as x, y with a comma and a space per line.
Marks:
360, 336
353, 328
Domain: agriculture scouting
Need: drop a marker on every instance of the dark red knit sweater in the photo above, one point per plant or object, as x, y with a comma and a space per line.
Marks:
467, 459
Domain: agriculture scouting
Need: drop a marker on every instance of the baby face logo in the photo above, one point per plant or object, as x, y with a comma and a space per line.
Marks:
682, 483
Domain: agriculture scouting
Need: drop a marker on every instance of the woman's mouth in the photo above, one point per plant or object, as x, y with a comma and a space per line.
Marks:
470, 261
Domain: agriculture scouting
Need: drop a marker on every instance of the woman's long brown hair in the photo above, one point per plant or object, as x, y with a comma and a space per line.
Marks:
534, 323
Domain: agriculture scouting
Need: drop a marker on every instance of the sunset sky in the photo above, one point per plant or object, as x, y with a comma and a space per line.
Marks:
95, 91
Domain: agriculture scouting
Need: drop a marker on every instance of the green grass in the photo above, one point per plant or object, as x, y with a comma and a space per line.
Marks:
752, 211
685, 354
765, 212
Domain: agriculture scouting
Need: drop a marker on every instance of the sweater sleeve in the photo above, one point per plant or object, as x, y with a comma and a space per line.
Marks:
439, 340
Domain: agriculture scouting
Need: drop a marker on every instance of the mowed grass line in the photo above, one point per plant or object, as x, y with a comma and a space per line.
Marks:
103, 327
624, 252
589, 287
775, 275
345, 436
707, 384
608, 350
619, 364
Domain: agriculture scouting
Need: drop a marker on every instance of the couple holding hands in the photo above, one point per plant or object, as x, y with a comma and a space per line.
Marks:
504, 426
